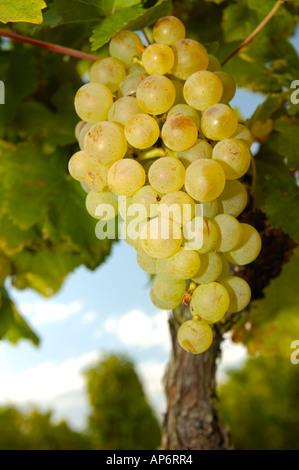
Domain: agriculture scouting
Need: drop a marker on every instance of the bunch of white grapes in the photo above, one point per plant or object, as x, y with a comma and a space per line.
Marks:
156, 129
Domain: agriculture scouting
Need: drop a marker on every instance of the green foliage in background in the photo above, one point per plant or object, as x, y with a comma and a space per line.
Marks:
260, 404
45, 231
121, 418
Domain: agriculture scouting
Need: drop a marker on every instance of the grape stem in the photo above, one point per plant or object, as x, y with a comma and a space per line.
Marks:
256, 31
47, 45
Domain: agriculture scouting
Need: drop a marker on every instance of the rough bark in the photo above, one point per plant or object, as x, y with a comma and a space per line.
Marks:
191, 421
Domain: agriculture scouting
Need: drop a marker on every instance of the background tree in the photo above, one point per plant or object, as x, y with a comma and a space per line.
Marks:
121, 417
45, 231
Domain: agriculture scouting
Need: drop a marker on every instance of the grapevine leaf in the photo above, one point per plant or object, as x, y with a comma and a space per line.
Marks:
286, 140
22, 10
78, 12
110, 6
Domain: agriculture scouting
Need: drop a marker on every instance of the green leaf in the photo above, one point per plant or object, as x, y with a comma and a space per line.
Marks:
12, 326
78, 12
238, 21
110, 6
22, 10
286, 140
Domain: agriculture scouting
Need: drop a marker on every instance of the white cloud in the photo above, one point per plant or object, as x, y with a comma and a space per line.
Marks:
233, 355
136, 328
151, 374
89, 317
50, 312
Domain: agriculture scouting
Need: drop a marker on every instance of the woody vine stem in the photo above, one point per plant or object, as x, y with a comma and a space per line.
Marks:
83, 55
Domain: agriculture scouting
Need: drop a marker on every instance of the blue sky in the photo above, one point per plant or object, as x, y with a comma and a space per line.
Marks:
108, 310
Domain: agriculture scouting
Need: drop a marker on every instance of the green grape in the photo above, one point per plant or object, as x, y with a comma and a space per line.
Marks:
125, 177
203, 89
179, 95
239, 293
195, 336
149, 198
177, 206
205, 180
146, 262
96, 177
161, 238
229, 232
210, 209
201, 149
189, 57
166, 174
130, 84
168, 290
125, 45
158, 58
168, 30
234, 157
164, 304
185, 110
219, 122
155, 94
179, 132
79, 126
85, 187
233, 198
123, 109
108, 71
135, 67
78, 165
142, 131
105, 143
214, 64
184, 264
94, 201
229, 86
210, 268
124, 202
225, 267
210, 301
243, 133
200, 234
85, 128
92, 102
163, 271
248, 249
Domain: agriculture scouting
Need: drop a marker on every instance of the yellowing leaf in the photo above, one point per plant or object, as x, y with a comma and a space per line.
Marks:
22, 10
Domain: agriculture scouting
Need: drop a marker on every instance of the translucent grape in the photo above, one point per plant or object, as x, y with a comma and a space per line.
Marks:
214, 64
233, 198
179, 132
105, 142
225, 267
96, 177
158, 58
79, 126
243, 133
142, 131
149, 198
167, 174
161, 238
177, 206
205, 180
229, 86
84, 187
78, 165
168, 30
95, 200
203, 89
123, 109
146, 262
130, 84
124, 202
184, 264
229, 232
189, 56
92, 102
168, 290
179, 95
131, 229
162, 270
201, 149
239, 293
125, 177
108, 71
219, 122
164, 304
248, 249
155, 94
210, 209
210, 268
124, 46
234, 157
200, 234
85, 128
185, 110
210, 301
195, 336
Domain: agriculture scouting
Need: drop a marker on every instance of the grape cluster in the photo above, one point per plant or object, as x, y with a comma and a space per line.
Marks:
157, 132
